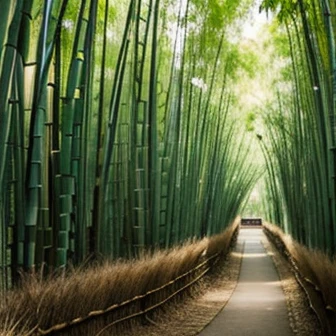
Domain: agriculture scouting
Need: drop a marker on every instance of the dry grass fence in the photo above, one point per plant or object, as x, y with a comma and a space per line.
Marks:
314, 267
93, 300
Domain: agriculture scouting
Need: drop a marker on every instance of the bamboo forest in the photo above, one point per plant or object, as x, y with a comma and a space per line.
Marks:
136, 125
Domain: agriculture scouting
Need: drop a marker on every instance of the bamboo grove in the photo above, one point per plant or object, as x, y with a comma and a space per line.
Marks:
116, 134
300, 146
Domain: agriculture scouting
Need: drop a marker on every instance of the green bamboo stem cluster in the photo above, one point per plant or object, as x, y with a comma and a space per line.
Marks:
107, 144
301, 150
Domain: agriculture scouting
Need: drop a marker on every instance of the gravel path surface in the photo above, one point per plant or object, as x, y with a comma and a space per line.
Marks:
191, 316
258, 305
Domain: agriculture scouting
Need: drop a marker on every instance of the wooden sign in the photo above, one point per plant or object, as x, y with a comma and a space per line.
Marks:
251, 221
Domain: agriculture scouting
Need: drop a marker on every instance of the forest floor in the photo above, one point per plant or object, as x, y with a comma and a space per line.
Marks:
212, 299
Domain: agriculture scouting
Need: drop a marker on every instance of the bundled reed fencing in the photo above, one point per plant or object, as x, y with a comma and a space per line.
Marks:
110, 296
315, 270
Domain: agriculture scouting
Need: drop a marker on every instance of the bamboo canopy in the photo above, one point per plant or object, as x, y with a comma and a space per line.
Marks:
300, 149
118, 132
115, 135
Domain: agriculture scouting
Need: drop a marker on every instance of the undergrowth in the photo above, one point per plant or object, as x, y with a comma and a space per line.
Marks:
75, 302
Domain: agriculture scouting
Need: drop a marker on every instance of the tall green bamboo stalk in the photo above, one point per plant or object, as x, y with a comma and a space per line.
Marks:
116, 135
303, 140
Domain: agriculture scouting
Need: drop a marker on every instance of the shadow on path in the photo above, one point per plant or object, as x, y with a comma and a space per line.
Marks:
257, 306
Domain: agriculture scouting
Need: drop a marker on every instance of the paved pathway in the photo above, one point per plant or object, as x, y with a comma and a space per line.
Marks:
257, 306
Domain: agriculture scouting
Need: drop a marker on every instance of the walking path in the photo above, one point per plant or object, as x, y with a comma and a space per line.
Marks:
257, 306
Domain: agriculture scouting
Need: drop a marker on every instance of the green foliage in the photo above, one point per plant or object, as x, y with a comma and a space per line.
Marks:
299, 147
116, 128
250, 118
285, 9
